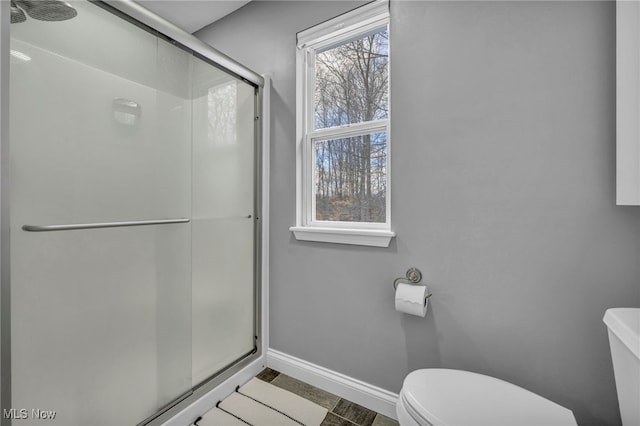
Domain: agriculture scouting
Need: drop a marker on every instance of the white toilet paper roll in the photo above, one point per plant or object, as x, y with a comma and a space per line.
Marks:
412, 299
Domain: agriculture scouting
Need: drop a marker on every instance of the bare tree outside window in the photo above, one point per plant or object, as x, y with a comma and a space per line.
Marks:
351, 178
352, 82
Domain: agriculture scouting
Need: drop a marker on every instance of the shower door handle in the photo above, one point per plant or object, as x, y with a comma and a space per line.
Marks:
96, 225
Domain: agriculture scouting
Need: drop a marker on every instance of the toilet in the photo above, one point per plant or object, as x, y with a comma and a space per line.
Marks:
438, 396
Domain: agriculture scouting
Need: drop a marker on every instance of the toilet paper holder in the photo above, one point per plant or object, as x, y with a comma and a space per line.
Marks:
413, 276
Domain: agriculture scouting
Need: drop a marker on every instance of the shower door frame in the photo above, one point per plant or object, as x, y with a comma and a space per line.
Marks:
204, 395
5, 242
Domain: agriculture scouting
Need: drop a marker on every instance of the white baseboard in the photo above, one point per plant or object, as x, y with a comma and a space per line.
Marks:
220, 392
365, 394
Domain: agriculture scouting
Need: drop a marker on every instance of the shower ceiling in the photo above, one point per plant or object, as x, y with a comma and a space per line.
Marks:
192, 15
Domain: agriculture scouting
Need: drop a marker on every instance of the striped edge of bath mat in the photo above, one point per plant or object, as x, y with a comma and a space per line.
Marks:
259, 403
217, 417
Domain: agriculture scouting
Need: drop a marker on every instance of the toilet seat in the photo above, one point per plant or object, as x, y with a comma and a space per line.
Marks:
455, 397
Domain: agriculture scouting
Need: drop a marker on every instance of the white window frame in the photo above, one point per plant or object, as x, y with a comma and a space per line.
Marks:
341, 29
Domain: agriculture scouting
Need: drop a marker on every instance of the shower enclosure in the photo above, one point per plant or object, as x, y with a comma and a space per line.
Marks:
131, 265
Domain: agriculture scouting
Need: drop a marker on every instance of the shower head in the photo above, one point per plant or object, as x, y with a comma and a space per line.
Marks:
17, 15
47, 10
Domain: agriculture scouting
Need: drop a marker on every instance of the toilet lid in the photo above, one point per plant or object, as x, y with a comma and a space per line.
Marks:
455, 397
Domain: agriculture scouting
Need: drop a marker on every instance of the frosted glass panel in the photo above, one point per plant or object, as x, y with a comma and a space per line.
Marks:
223, 219
171, 190
223, 292
100, 132
110, 123
87, 323
87, 157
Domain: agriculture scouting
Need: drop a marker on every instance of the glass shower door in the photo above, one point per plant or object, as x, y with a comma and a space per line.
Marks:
224, 220
100, 133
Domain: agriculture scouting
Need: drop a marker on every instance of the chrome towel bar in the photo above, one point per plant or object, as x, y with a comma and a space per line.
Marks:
96, 225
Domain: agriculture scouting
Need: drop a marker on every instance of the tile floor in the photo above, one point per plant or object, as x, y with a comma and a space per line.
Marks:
341, 411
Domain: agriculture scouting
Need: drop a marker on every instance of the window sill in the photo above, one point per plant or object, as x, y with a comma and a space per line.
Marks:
358, 237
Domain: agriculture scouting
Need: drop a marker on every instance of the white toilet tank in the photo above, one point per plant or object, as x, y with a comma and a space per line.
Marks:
624, 340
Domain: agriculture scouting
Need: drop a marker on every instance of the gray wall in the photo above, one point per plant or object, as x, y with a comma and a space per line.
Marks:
503, 133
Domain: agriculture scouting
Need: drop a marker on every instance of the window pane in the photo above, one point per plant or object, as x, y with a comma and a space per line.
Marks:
352, 81
351, 178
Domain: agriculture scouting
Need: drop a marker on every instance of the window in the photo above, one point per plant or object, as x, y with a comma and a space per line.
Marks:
343, 151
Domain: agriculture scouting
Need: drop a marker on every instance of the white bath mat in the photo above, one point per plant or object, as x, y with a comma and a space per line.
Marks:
217, 417
294, 406
259, 403
254, 412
